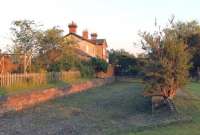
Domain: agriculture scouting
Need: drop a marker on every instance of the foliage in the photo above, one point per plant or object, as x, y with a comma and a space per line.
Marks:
59, 66
50, 39
86, 69
24, 38
168, 62
189, 32
99, 64
25, 42
125, 63
49, 52
55, 67
115, 54
55, 53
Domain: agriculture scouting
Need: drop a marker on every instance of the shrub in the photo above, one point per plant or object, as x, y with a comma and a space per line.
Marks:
55, 67
125, 63
86, 69
99, 64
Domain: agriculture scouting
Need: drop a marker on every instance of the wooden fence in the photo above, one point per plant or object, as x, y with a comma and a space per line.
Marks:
36, 78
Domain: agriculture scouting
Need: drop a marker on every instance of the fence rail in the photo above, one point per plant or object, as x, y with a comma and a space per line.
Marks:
36, 78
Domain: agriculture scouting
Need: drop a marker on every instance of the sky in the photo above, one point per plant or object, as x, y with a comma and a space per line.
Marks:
118, 21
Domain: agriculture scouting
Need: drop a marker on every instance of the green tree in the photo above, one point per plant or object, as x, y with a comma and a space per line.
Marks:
189, 32
55, 52
125, 63
168, 62
50, 39
115, 54
24, 37
49, 50
194, 48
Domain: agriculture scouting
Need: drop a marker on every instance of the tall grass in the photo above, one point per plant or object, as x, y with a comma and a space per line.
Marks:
29, 83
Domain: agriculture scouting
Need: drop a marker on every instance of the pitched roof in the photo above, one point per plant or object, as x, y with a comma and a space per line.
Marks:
96, 42
100, 41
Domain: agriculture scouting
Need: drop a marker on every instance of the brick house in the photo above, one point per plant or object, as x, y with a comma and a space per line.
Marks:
91, 47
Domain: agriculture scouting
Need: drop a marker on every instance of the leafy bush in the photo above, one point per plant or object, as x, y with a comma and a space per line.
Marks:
66, 66
99, 64
55, 67
59, 66
86, 69
125, 64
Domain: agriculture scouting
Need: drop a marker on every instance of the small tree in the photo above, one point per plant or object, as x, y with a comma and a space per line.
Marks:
168, 63
24, 37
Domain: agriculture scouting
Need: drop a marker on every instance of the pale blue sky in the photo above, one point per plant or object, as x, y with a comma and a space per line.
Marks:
116, 20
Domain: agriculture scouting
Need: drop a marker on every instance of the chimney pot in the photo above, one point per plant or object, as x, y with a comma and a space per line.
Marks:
85, 34
72, 27
94, 36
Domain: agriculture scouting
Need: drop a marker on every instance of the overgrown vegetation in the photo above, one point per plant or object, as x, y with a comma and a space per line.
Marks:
168, 62
126, 64
189, 32
86, 69
99, 65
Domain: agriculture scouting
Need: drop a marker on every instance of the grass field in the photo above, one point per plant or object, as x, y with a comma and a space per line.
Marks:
116, 109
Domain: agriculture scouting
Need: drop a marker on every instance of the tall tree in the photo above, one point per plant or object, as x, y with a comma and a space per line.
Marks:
55, 52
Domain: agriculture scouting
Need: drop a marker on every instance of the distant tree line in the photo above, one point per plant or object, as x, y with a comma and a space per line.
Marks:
125, 63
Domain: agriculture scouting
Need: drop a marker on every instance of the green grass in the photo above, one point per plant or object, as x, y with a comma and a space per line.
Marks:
194, 88
116, 109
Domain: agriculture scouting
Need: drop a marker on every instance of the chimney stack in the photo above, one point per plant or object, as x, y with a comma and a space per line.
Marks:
72, 27
85, 34
94, 36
